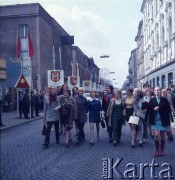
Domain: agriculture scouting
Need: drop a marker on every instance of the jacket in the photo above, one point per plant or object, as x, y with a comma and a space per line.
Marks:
109, 111
164, 111
49, 110
73, 111
82, 107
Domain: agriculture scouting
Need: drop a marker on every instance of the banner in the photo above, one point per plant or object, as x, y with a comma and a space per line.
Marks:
73, 81
87, 85
55, 78
26, 70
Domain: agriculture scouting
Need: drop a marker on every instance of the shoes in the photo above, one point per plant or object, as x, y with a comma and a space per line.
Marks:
133, 145
110, 140
77, 142
114, 143
119, 141
91, 143
157, 153
140, 143
45, 145
57, 142
2, 125
161, 153
67, 145
144, 140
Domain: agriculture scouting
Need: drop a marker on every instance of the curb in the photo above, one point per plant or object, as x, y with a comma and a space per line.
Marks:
18, 124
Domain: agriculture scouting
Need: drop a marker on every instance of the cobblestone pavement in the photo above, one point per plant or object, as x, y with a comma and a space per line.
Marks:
23, 158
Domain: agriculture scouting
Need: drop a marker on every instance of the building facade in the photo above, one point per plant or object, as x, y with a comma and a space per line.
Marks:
159, 42
140, 56
22, 20
132, 64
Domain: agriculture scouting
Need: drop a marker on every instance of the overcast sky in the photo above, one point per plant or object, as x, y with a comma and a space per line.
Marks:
99, 27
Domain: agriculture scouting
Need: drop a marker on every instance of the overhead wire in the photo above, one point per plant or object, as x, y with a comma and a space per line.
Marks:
92, 30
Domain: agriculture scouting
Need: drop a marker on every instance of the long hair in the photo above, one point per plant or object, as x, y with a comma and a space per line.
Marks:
53, 98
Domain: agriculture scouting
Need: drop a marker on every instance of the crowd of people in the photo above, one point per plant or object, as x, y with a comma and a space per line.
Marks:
154, 110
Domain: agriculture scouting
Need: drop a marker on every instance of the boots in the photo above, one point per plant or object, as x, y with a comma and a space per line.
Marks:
161, 153
157, 148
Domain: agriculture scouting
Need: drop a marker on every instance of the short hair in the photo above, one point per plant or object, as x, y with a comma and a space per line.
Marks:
146, 84
139, 93
81, 88
130, 90
68, 91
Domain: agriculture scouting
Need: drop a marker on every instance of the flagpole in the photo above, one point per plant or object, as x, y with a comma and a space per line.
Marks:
60, 58
53, 57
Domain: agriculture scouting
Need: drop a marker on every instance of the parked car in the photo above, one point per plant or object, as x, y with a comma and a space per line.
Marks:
87, 96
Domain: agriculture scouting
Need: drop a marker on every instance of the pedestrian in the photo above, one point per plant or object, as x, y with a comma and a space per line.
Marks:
7, 101
82, 110
116, 117
60, 92
20, 103
166, 94
37, 102
95, 115
147, 98
74, 95
159, 110
33, 104
141, 130
68, 113
128, 111
26, 104
1, 124
105, 103
51, 115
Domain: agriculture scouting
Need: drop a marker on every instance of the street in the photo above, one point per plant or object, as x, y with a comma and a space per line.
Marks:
23, 157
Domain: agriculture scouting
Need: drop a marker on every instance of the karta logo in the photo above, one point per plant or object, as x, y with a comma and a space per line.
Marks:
73, 80
55, 76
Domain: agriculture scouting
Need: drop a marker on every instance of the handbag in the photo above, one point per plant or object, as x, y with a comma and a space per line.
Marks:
134, 120
44, 130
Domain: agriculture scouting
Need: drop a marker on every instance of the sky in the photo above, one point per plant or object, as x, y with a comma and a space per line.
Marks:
99, 27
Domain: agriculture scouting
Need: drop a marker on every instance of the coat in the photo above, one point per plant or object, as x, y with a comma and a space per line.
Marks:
82, 107
164, 111
49, 110
73, 113
109, 111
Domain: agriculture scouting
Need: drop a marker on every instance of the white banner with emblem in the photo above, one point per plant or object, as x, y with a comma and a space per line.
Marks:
87, 85
55, 78
73, 81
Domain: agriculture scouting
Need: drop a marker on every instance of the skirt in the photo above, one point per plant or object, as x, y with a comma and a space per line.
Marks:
129, 112
65, 118
158, 124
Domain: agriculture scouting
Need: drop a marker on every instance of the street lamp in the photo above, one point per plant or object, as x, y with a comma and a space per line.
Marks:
105, 56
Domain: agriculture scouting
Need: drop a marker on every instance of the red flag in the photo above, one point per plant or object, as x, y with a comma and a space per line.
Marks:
31, 50
18, 53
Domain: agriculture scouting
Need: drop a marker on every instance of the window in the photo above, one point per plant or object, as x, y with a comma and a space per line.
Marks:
163, 81
170, 78
153, 82
157, 81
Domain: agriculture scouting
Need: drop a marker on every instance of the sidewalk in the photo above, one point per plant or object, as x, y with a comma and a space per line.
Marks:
11, 119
